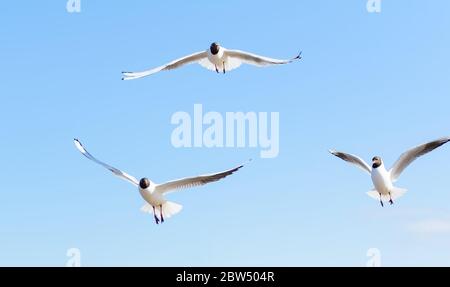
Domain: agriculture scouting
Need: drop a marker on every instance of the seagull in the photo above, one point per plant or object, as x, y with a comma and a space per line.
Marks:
154, 193
215, 58
384, 180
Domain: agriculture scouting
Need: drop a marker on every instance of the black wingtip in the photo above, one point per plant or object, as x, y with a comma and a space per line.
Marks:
242, 165
299, 56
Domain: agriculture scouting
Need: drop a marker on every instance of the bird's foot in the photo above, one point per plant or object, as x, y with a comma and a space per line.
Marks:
391, 202
217, 70
224, 67
156, 219
382, 204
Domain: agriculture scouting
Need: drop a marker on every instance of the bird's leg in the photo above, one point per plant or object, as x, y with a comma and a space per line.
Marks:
390, 199
156, 217
381, 201
223, 63
161, 213
217, 70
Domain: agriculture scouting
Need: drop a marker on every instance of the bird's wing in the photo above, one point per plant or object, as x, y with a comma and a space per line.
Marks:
114, 170
408, 157
194, 181
353, 159
236, 57
196, 57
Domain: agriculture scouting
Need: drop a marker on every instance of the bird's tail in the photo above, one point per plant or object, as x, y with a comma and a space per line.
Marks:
169, 209
395, 193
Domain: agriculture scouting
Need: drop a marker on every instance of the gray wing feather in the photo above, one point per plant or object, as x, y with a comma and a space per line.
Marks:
353, 159
193, 58
194, 181
114, 170
257, 60
408, 157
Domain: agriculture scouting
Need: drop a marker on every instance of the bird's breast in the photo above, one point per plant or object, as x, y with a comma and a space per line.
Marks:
216, 59
153, 198
381, 180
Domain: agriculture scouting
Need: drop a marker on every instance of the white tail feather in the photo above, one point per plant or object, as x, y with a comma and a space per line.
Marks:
395, 193
169, 209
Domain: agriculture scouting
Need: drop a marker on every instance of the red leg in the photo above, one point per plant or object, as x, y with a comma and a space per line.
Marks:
156, 217
161, 212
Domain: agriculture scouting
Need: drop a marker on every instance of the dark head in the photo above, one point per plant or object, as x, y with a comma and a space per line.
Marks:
144, 183
214, 48
376, 162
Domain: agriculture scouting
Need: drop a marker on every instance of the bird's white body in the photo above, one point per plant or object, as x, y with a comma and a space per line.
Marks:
382, 180
219, 59
157, 204
384, 188
151, 196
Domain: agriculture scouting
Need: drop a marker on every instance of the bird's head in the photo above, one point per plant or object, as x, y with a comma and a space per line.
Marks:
376, 162
214, 48
144, 183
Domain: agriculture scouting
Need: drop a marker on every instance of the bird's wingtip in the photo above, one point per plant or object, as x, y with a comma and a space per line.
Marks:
242, 165
78, 144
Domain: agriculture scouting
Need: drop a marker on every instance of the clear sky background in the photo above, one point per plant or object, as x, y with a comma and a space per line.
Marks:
369, 84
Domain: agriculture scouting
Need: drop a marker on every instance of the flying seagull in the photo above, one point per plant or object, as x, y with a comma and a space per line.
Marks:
154, 193
384, 180
216, 58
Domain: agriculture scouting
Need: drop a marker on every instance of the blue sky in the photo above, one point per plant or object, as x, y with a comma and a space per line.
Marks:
369, 84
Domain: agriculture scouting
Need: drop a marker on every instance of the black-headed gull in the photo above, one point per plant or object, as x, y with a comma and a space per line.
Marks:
216, 58
154, 193
384, 180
